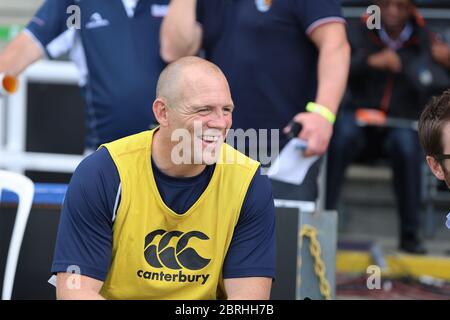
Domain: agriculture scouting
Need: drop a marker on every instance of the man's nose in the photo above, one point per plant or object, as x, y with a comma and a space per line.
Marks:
219, 120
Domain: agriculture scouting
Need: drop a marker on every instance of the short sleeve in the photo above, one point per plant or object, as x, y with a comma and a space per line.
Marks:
252, 249
84, 238
312, 14
49, 22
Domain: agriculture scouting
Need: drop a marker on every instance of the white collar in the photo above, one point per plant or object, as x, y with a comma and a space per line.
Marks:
402, 38
130, 6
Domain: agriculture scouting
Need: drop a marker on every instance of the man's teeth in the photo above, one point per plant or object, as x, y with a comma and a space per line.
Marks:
210, 138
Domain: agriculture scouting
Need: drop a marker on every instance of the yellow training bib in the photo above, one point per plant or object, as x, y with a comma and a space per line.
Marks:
159, 254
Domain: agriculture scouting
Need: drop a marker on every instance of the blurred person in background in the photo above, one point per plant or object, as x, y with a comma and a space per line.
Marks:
116, 50
277, 56
391, 75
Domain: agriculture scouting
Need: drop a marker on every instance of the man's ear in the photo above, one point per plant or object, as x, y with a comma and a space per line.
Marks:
160, 110
436, 168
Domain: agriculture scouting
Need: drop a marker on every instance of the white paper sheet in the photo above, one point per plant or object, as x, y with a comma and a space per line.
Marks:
291, 166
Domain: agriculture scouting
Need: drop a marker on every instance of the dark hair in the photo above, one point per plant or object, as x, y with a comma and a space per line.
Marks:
432, 120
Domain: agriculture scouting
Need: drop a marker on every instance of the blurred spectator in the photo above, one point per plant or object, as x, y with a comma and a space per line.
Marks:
441, 52
116, 51
391, 74
277, 56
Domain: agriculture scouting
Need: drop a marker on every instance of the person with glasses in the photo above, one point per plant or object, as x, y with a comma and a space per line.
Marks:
434, 135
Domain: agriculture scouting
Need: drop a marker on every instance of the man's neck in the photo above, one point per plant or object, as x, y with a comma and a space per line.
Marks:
394, 34
161, 155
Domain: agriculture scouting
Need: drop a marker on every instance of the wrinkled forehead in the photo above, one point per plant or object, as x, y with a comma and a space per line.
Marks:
201, 74
203, 85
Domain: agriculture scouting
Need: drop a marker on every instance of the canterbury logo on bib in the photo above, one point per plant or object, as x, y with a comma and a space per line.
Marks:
160, 253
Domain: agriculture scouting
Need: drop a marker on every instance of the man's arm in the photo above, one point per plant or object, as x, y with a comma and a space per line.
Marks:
441, 52
48, 23
71, 286
84, 238
385, 60
256, 288
333, 67
181, 34
19, 54
249, 265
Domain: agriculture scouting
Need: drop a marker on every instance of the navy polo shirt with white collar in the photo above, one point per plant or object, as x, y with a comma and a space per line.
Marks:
117, 54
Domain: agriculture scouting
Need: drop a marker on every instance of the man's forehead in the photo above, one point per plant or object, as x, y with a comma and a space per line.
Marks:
201, 76
206, 85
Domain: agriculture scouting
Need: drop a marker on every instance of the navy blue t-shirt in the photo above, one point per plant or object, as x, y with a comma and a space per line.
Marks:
85, 232
117, 56
266, 54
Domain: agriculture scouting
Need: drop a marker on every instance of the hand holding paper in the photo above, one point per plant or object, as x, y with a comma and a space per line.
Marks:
291, 166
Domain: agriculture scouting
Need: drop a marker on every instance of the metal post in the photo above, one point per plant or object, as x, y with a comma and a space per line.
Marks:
2, 122
16, 123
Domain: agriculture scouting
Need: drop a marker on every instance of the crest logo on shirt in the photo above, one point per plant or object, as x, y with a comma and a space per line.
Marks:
263, 5
160, 254
96, 21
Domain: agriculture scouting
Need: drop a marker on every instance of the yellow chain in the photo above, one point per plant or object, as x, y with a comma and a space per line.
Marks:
319, 266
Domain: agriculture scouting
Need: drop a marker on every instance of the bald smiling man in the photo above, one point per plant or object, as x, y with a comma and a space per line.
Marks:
171, 213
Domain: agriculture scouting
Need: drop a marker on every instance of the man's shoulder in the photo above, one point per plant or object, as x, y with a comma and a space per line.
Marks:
422, 31
129, 144
98, 162
360, 25
95, 179
360, 35
230, 155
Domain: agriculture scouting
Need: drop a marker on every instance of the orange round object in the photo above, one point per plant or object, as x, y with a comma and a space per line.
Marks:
10, 84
